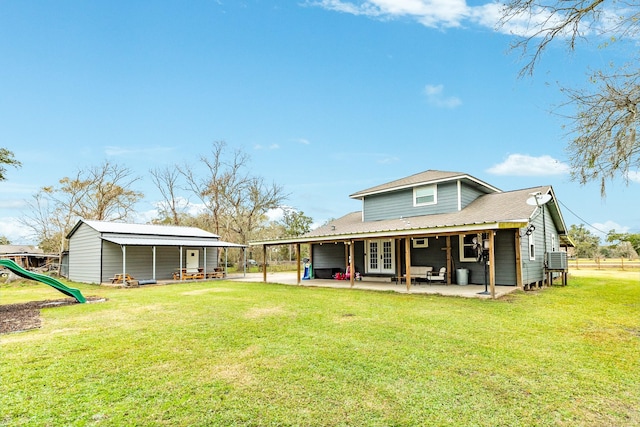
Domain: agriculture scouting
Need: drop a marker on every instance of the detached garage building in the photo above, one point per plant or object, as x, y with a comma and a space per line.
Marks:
100, 250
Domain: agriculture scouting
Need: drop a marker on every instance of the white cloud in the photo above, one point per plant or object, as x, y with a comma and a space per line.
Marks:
303, 141
431, 13
436, 97
16, 232
13, 204
634, 176
602, 229
525, 165
456, 13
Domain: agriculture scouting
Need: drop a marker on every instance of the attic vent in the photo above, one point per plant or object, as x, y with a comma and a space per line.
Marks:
556, 260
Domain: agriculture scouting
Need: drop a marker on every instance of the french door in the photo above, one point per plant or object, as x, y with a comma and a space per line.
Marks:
381, 256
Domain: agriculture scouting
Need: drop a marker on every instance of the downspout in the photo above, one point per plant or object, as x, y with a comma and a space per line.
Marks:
181, 263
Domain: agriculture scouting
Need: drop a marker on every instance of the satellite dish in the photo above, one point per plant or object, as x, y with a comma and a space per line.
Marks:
538, 199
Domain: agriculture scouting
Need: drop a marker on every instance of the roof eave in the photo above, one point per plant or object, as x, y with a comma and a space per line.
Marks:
433, 231
361, 194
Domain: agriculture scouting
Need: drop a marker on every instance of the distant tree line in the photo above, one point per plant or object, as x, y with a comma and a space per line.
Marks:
619, 245
218, 193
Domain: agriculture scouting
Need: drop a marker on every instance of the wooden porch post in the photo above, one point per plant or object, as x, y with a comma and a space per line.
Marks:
298, 263
450, 265
398, 260
518, 249
311, 260
264, 263
407, 258
351, 263
492, 264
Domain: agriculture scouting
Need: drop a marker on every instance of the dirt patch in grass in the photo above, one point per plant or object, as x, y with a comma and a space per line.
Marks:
26, 316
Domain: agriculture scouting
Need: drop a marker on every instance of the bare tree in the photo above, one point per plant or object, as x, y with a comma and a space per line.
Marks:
235, 200
99, 193
109, 192
167, 181
225, 177
604, 121
250, 203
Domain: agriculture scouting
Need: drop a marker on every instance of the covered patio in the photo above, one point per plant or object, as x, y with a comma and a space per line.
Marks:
291, 278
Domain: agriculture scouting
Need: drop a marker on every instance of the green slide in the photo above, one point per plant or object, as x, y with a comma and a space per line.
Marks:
72, 292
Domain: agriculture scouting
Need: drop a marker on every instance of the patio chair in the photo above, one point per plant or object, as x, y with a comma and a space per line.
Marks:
440, 277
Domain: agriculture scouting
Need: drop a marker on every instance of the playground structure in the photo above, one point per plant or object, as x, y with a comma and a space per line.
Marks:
47, 280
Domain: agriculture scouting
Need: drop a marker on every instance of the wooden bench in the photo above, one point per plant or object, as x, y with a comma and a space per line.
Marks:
418, 272
217, 273
118, 278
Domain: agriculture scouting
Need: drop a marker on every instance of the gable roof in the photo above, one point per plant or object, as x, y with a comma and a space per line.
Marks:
143, 229
490, 211
424, 178
153, 235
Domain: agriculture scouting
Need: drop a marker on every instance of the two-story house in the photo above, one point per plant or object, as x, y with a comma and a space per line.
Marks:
437, 219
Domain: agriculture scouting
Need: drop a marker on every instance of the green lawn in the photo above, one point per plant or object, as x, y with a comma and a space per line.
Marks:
228, 353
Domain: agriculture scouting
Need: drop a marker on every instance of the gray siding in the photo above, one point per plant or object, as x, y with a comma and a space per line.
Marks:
505, 256
84, 255
329, 256
533, 270
469, 194
139, 261
400, 203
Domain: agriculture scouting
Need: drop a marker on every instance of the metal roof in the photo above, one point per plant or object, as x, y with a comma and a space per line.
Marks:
143, 229
167, 241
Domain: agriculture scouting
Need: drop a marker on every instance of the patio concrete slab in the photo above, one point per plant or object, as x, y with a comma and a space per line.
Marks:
289, 278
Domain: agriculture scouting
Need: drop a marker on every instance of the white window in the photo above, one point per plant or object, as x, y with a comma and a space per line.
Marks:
532, 247
468, 252
422, 242
427, 195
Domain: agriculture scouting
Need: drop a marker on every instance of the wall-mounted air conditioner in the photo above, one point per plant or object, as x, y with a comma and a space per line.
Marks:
556, 260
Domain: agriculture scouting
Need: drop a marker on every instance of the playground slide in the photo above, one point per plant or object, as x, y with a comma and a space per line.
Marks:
72, 292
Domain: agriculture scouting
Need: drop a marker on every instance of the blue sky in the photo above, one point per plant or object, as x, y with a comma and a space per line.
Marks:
328, 98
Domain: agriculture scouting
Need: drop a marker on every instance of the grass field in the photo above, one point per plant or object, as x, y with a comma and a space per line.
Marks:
229, 353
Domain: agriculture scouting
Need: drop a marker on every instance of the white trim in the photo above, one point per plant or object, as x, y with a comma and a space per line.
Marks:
364, 193
380, 256
420, 242
459, 187
462, 245
532, 246
433, 188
